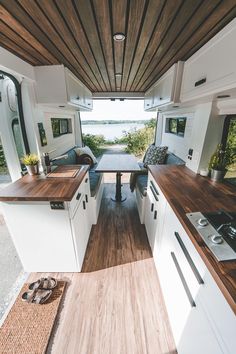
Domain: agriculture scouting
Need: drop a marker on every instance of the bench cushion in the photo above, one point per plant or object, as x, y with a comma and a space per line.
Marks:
95, 180
141, 184
172, 159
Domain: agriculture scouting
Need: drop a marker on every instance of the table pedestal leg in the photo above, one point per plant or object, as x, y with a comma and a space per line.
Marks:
118, 197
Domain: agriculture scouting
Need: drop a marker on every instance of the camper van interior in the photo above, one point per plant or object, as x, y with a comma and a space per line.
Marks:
118, 255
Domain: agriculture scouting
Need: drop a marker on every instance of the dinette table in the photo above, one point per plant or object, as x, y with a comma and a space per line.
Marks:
118, 163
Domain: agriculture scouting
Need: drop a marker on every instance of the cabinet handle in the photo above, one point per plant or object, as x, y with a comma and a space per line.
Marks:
189, 259
78, 196
86, 180
185, 285
154, 187
84, 205
154, 194
200, 82
86, 198
152, 206
155, 215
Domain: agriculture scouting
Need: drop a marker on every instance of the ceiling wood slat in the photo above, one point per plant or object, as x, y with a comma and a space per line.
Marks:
155, 8
166, 17
119, 15
134, 26
79, 35
102, 10
73, 22
15, 38
15, 49
85, 10
48, 19
173, 32
10, 21
23, 17
195, 31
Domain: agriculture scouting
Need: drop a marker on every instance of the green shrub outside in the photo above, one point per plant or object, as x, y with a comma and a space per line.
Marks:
94, 142
138, 140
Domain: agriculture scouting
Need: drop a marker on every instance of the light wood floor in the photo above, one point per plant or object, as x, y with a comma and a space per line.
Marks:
115, 305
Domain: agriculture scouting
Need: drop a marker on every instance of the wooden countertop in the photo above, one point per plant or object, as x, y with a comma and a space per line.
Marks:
188, 192
42, 188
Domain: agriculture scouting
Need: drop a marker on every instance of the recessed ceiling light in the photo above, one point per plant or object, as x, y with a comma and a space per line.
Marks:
119, 37
118, 75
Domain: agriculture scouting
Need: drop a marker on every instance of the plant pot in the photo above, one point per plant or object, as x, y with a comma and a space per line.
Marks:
32, 169
217, 175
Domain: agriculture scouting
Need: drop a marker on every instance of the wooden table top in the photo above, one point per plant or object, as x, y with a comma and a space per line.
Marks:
188, 192
42, 188
117, 163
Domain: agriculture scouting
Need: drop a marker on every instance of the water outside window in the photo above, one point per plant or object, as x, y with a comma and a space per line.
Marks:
118, 123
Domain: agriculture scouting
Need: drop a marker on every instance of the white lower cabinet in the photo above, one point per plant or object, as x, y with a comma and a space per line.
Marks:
155, 203
56, 238
81, 227
200, 317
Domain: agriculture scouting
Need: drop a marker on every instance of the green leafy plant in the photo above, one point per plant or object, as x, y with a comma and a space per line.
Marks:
94, 142
138, 140
30, 159
220, 159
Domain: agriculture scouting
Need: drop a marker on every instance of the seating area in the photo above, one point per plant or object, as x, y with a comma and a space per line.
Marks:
139, 180
95, 179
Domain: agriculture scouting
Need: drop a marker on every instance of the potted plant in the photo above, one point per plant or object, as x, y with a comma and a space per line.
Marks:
218, 163
31, 162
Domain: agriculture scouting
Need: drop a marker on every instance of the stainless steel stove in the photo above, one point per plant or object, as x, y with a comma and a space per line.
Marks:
218, 230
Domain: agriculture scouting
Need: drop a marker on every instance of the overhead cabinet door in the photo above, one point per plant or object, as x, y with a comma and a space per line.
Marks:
57, 86
212, 69
166, 90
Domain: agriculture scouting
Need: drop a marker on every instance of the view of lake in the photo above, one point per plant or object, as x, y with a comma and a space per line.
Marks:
110, 131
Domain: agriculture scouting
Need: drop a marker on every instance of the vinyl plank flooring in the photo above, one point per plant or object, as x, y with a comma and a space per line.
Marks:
115, 304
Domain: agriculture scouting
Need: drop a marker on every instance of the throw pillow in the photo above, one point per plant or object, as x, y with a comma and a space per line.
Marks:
155, 155
85, 159
85, 150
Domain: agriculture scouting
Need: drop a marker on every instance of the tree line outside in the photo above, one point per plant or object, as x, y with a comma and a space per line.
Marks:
136, 140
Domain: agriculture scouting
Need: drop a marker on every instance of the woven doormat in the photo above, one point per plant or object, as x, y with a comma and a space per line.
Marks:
27, 327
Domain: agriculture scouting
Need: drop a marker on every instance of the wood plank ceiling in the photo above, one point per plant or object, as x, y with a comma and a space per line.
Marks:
79, 34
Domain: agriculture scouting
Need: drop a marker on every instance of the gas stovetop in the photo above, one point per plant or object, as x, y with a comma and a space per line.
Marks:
218, 230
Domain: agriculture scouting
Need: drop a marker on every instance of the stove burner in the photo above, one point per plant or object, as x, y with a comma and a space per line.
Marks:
218, 230
202, 222
216, 239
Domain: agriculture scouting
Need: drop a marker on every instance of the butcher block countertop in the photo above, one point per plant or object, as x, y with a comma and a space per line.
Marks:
43, 188
188, 192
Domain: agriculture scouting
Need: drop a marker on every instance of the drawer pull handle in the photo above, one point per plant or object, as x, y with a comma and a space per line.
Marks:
189, 259
86, 180
154, 194
200, 82
185, 285
86, 198
78, 196
84, 205
155, 215
152, 206
154, 187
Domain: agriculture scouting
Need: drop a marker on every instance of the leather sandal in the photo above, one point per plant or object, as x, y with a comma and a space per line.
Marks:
48, 283
36, 296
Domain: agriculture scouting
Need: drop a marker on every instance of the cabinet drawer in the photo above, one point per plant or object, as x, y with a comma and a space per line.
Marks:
81, 191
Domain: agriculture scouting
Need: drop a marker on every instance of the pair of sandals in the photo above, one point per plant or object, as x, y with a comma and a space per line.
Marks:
40, 291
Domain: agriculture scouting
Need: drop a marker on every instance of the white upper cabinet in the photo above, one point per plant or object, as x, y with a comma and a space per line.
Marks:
166, 90
57, 86
212, 69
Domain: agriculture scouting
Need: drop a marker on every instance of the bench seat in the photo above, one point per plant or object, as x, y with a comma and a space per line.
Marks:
141, 180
